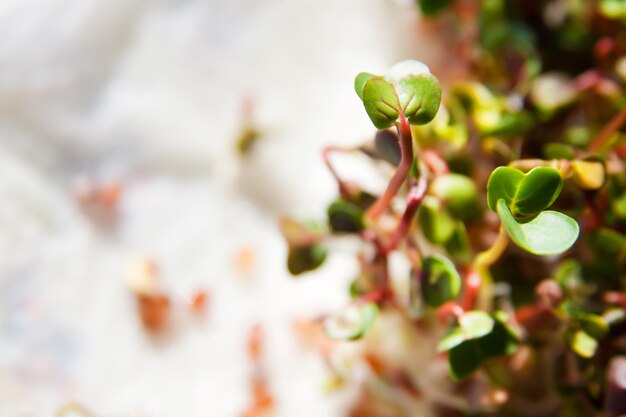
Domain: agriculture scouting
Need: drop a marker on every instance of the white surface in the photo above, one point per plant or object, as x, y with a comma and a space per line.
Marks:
150, 92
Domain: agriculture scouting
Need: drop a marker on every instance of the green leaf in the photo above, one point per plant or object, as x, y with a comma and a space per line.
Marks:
459, 194
592, 324
556, 150
502, 184
352, 323
582, 344
458, 245
476, 324
501, 341
440, 281
305, 258
606, 241
345, 217
454, 338
464, 360
433, 7
537, 191
550, 233
478, 337
525, 194
381, 102
434, 221
510, 123
359, 82
408, 89
420, 97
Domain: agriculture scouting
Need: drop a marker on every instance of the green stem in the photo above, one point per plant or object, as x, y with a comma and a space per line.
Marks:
406, 159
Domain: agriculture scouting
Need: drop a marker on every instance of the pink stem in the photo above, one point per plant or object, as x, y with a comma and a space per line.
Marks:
344, 190
416, 195
406, 159
605, 134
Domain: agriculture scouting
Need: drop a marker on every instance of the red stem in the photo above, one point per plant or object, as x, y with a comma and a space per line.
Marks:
344, 190
605, 134
472, 285
416, 195
406, 159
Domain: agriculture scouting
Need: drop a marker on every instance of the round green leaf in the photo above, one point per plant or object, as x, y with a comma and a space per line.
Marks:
550, 233
434, 221
458, 245
459, 193
359, 82
440, 281
305, 258
381, 102
351, 323
454, 338
345, 217
475, 324
594, 325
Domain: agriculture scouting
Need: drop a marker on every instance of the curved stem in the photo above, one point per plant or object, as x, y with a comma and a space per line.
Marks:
344, 189
489, 256
478, 275
605, 134
416, 195
406, 159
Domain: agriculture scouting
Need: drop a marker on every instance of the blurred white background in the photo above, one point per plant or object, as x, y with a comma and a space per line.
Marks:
150, 93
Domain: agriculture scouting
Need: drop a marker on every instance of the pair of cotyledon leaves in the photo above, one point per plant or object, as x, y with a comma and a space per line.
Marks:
521, 201
408, 90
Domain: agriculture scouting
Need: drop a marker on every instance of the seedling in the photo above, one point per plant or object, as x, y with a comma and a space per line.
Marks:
528, 150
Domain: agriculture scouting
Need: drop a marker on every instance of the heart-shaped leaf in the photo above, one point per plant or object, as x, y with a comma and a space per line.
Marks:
351, 323
525, 194
550, 233
381, 102
440, 281
408, 89
420, 97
